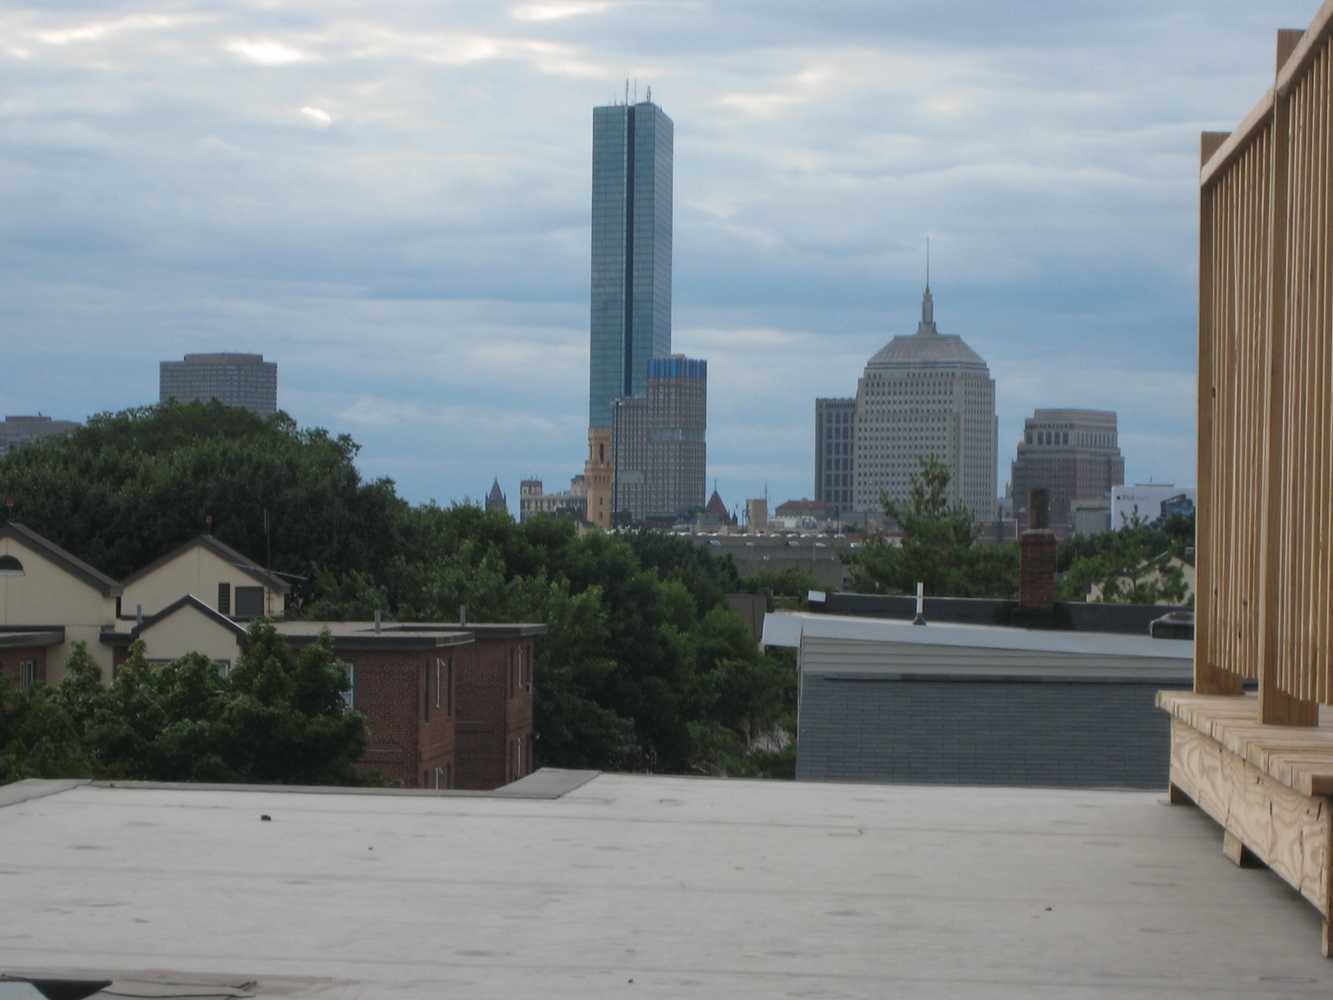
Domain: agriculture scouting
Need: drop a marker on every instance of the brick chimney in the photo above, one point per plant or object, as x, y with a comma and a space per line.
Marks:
1036, 556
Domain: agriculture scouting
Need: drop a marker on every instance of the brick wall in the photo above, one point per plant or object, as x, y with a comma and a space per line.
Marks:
11, 659
391, 691
495, 730
968, 732
1036, 569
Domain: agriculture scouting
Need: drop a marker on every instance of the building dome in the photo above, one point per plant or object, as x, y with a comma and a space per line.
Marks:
927, 346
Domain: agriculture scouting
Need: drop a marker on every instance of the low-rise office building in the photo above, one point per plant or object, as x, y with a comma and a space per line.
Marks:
17, 431
883, 700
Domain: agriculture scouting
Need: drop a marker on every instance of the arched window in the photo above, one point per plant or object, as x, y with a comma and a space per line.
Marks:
9, 566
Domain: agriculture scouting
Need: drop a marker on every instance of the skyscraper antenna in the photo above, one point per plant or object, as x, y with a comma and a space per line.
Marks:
927, 261
626, 90
649, 98
636, 91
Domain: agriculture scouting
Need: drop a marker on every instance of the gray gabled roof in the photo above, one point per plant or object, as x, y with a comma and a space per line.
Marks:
222, 551
67, 561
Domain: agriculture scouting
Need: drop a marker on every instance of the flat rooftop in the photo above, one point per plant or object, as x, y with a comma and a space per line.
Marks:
644, 887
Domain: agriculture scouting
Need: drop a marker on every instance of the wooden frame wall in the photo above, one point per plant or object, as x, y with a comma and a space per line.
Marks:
1264, 604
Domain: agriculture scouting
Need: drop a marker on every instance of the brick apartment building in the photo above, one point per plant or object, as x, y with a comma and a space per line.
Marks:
496, 736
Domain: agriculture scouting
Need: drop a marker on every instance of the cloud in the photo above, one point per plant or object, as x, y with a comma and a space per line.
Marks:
265, 52
317, 115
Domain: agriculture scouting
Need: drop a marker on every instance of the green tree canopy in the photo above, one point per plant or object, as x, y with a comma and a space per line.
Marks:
938, 547
276, 717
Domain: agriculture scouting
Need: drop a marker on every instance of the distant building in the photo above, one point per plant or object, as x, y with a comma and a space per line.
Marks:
1145, 502
835, 441
715, 511
756, 514
495, 499
925, 395
17, 431
243, 380
632, 163
1090, 517
659, 450
572, 504
816, 509
1072, 454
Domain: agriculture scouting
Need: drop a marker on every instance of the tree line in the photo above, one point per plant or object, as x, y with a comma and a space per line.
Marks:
643, 668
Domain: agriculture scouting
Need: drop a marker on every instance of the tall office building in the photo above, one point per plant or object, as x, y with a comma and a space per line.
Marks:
835, 437
1072, 454
631, 271
660, 455
244, 380
927, 394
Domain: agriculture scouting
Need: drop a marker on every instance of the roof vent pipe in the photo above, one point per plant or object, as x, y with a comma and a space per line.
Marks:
462, 614
377, 619
920, 618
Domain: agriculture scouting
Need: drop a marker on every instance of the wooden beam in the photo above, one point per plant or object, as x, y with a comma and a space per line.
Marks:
1208, 679
1276, 706
1287, 40
1176, 795
1237, 853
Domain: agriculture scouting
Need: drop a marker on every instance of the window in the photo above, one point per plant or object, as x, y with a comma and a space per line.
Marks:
223, 667
440, 780
349, 692
426, 696
439, 677
9, 566
27, 674
224, 598
449, 687
249, 602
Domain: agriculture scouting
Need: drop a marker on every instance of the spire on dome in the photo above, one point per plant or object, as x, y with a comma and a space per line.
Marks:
927, 325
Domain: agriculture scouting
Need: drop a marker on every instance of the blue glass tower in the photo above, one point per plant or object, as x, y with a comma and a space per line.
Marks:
631, 251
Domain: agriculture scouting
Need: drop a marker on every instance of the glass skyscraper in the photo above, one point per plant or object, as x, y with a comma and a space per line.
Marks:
631, 251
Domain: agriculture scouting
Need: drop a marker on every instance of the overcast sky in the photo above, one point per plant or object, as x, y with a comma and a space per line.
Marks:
392, 201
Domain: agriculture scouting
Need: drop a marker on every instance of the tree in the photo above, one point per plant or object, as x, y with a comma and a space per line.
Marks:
278, 717
1139, 564
938, 547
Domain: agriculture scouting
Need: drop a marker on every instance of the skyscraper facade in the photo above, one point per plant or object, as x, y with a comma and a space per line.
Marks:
923, 395
632, 164
835, 439
244, 380
1072, 454
660, 455
631, 251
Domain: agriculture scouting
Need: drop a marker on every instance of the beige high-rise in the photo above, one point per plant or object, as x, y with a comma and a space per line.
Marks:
922, 395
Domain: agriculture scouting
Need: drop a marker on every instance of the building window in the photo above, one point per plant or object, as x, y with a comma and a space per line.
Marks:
9, 566
249, 602
439, 679
223, 667
440, 780
349, 692
224, 598
27, 674
426, 696
449, 689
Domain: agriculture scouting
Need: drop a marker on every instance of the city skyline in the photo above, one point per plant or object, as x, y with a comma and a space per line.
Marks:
369, 245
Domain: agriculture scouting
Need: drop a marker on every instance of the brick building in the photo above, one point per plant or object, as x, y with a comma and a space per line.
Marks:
496, 738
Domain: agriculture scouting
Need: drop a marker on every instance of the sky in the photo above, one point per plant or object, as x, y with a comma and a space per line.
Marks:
392, 202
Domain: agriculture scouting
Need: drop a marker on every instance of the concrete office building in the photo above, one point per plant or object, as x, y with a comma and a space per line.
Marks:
244, 380
927, 394
1072, 454
1147, 502
17, 431
573, 503
835, 440
660, 455
631, 272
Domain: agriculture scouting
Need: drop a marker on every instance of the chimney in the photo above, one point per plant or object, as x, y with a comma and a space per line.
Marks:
1036, 556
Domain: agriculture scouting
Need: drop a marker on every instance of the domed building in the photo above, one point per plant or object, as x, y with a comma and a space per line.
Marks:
921, 395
